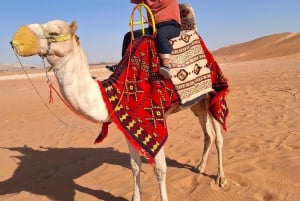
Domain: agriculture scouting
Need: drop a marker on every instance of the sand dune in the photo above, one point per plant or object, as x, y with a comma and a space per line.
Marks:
276, 45
47, 153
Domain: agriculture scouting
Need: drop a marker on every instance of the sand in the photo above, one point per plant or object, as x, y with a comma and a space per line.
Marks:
47, 153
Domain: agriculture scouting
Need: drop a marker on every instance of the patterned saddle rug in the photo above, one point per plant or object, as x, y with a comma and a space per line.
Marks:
137, 97
188, 66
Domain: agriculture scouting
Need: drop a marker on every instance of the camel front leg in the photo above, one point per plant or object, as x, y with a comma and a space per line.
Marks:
136, 163
160, 170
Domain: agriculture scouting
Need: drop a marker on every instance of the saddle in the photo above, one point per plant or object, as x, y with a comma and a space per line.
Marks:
138, 99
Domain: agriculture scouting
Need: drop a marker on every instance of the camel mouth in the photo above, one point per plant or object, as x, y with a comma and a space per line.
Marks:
25, 42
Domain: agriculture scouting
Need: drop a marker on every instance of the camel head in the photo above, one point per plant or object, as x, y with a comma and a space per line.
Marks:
53, 40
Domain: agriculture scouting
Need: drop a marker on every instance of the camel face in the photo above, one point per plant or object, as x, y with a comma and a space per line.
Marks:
53, 39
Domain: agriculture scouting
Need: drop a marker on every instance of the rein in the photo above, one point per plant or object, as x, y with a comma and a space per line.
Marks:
36, 90
51, 87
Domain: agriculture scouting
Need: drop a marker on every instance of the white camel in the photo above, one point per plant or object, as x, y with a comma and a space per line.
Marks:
57, 42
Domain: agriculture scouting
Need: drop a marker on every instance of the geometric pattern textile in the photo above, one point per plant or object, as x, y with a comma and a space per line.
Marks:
137, 97
188, 67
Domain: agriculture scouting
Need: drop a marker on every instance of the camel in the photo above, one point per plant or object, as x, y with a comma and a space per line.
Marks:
57, 42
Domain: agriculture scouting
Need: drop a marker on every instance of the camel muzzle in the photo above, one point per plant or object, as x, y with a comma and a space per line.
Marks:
25, 42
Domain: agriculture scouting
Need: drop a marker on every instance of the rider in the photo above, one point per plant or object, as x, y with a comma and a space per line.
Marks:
167, 20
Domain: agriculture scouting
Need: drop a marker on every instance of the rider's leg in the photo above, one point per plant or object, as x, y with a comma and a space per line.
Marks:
165, 32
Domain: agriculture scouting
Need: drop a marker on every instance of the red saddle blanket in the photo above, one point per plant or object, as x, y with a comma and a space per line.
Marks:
137, 97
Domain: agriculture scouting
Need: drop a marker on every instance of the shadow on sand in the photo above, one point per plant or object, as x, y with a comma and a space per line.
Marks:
52, 171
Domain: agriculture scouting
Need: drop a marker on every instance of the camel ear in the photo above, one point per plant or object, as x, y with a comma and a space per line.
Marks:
73, 27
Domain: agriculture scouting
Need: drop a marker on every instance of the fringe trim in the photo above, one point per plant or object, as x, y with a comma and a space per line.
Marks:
114, 118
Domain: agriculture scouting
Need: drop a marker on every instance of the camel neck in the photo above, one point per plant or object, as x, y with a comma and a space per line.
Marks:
77, 86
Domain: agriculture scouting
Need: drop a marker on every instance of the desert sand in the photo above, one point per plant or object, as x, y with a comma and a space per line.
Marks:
47, 153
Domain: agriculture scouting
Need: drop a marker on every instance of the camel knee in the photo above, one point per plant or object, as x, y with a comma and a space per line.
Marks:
219, 142
135, 167
135, 160
208, 138
219, 136
160, 166
160, 171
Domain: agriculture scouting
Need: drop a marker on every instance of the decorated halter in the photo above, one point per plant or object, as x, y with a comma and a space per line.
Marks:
27, 43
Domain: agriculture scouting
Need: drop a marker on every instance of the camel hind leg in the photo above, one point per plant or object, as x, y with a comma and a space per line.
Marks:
200, 110
212, 132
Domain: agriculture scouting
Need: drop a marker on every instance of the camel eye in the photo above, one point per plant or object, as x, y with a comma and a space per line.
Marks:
53, 34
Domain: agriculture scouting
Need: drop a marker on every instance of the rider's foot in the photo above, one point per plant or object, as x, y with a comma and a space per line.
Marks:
165, 72
111, 68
